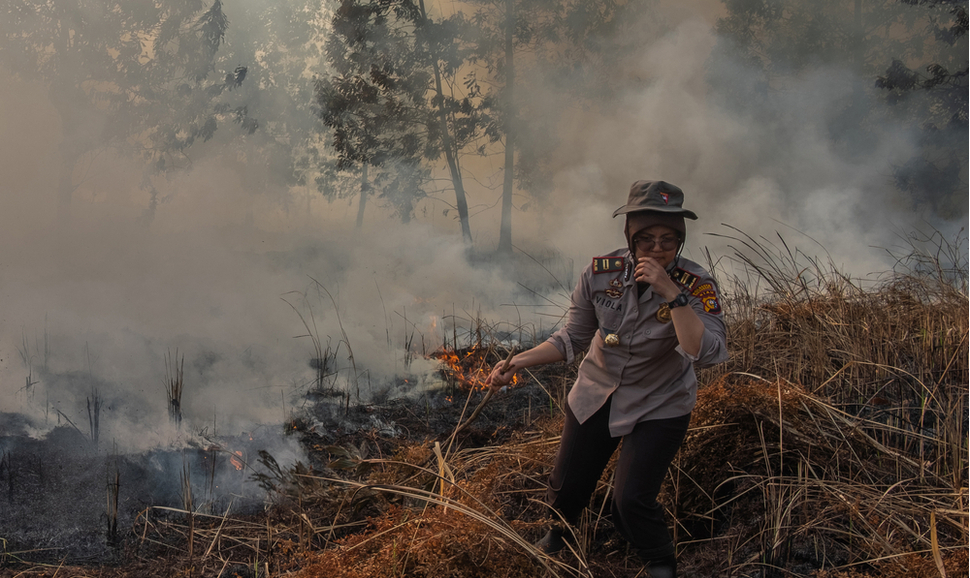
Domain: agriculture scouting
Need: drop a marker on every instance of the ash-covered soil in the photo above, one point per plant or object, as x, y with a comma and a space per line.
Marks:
64, 499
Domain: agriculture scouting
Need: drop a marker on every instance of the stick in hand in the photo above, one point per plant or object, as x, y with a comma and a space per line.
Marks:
481, 404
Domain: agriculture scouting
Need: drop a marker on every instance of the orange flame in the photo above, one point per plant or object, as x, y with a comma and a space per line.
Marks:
235, 458
469, 368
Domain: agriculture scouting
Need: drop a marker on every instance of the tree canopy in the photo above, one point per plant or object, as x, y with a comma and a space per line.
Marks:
407, 88
136, 76
390, 100
386, 102
907, 59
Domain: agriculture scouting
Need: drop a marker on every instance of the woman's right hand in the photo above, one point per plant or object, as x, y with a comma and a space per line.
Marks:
501, 375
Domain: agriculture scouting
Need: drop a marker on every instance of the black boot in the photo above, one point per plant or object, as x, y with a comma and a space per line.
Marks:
665, 567
554, 540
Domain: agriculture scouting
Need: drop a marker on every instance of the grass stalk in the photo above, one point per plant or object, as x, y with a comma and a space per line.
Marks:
174, 383
95, 403
111, 506
185, 479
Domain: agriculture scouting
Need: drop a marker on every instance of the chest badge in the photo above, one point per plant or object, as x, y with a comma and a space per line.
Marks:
616, 289
612, 340
663, 313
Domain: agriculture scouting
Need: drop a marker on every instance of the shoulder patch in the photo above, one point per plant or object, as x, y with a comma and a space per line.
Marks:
708, 296
607, 264
685, 278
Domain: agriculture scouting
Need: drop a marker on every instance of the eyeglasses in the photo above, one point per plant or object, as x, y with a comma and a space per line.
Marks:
647, 243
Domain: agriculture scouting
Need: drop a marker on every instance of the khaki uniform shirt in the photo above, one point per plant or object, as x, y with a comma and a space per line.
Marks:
648, 374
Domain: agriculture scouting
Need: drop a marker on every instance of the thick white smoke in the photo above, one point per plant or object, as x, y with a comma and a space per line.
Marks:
231, 279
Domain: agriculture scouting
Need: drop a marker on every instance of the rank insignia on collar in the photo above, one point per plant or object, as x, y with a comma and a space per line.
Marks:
685, 278
607, 264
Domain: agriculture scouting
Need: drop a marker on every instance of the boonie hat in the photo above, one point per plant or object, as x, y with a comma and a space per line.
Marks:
659, 196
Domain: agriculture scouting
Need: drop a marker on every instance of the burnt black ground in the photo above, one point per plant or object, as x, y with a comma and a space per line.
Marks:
54, 502
55, 491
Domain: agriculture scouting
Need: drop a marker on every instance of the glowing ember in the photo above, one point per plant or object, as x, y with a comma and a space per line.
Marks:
235, 458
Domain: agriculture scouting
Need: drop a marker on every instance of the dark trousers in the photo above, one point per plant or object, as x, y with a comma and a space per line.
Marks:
646, 454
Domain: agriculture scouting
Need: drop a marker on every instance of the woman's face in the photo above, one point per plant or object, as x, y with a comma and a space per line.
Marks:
657, 242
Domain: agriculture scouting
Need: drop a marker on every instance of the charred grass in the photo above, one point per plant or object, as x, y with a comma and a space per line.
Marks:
832, 444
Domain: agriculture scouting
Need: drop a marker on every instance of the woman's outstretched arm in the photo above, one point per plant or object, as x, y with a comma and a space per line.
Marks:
539, 355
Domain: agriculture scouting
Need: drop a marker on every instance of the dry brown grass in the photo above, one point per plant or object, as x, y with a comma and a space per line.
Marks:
836, 436
833, 444
774, 477
472, 516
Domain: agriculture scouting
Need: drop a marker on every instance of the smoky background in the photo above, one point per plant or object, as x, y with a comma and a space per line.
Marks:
237, 265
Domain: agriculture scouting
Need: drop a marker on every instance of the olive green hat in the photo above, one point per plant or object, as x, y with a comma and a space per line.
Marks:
659, 196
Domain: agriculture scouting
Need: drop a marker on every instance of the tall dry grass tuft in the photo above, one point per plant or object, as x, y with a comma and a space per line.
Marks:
893, 352
779, 477
836, 436
475, 516
853, 342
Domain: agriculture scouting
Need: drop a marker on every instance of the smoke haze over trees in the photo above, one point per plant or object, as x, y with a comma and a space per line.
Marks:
269, 142
903, 66
415, 92
133, 77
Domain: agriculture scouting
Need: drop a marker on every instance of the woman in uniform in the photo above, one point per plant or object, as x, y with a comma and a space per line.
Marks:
647, 316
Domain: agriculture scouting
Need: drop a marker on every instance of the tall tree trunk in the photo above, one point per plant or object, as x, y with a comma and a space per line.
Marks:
451, 155
364, 190
505, 230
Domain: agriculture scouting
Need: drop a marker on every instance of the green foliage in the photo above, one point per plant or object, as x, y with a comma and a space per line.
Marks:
407, 88
787, 36
381, 103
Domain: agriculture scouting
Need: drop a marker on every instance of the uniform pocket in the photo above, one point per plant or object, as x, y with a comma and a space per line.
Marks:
655, 340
